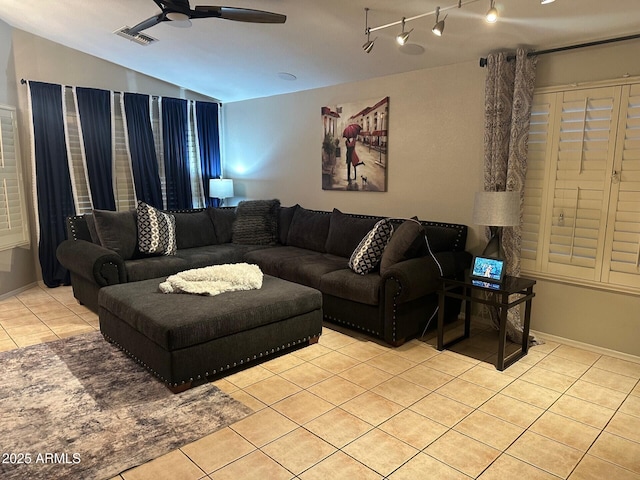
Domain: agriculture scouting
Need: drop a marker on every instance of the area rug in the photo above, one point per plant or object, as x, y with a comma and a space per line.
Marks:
80, 408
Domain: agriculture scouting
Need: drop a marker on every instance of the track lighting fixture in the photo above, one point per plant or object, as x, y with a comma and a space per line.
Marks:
492, 13
404, 36
438, 28
368, 45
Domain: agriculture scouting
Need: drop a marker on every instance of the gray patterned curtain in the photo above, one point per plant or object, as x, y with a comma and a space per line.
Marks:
508, 96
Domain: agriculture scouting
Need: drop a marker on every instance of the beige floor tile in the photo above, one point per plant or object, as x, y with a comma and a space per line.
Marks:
249, 376
593, 393
272, 389
626, 426
531, 393
335, 362
636, 390
424, 466
306, 375
631, 406
338, 427
72, 331
336, 340
363, 351
311, 352
365, 376
27, 330
617, 450
582, 411
563, 366
545, 453
391, 363
575, 354
248, 400
512, 410
4, 335
20, 319
548, 379
617, 365
565, 430
225, 385
477, 455
609, 379
441, 409
218, 449
413, 428
255, 466
466, 392
263, 427
372, 408
339, 466
6, 345
508, 467
380, 451
171, 466
299, 450
28, 340
47, 312
10, 304
302, 407
493, 431
426, 377
415, 351
401, 391
593, 468
488, 378
282, 363
336, 390
449, 363
514, 370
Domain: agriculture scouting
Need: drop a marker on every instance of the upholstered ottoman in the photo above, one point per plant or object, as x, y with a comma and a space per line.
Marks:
183, 338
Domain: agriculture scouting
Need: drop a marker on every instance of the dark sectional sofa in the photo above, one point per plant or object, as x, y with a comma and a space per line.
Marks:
309, 247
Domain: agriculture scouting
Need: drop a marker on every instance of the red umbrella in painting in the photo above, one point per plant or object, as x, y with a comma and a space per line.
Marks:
351, 131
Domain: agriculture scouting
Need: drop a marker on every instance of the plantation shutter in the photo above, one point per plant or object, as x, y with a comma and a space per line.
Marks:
582, 157
77, 159
622, 264
125, 191
13, 217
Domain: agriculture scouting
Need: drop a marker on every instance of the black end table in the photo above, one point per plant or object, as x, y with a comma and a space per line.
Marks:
498, 296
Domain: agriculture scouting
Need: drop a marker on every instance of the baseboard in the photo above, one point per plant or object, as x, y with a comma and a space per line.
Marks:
587, 346
17, 291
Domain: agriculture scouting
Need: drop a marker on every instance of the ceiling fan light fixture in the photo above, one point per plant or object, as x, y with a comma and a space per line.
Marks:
492, 14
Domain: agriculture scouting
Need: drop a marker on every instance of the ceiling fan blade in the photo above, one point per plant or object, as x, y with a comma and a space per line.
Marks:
238, 14
149, 22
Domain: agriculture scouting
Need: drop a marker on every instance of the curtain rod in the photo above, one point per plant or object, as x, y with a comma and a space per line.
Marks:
483, 61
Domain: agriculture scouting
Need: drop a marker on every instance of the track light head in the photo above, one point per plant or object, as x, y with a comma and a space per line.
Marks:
403, 36
368, 45
438, 28
492, 14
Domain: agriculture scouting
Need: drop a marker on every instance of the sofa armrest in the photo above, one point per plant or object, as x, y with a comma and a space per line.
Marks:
92, 262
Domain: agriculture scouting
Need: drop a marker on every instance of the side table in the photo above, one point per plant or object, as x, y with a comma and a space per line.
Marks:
496, 296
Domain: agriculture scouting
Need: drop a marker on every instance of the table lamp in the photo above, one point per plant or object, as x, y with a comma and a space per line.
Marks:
496, 210
220, 188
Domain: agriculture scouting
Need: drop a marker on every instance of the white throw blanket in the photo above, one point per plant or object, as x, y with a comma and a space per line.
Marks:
214, 280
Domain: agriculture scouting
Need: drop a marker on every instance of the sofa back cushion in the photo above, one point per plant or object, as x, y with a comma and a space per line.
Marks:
222, 219
194, 229
285, 215
308, 229
406, 242
346, 232
256, 222
117, 231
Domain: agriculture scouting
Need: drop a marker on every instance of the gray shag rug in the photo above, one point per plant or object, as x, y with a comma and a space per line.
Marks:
80, 408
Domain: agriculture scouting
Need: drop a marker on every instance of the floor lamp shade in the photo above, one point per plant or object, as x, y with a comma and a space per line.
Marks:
220, 188
497, 209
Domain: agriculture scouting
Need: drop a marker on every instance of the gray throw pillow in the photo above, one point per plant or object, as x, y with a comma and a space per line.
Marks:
156, 231
367, 255
403, 244
346, 232
256, 222
117, 231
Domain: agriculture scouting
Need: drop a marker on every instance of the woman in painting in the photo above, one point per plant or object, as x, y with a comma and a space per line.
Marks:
352, 158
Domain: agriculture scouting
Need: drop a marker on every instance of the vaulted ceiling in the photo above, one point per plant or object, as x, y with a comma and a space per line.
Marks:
321, 42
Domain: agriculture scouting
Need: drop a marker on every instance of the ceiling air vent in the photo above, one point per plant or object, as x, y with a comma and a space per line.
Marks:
138, 37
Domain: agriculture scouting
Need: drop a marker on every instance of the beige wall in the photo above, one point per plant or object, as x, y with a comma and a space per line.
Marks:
271, 147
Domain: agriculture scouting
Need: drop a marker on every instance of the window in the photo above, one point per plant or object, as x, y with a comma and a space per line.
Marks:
582, 191
13, 217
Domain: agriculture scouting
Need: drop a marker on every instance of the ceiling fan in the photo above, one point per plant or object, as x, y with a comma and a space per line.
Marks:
180, 12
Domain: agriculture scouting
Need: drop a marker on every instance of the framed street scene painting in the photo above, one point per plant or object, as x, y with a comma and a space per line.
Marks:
354, 146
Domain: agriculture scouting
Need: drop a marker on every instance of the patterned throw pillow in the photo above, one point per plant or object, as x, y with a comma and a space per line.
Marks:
156, 230
367, 255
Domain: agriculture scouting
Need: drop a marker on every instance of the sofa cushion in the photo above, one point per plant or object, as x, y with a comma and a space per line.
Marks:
194, 229
346, 232
309, 229
309, 269
285, 215
256, 222
156, 230
117, 231
222, 219
346, 284
91, 226
271, 259
366, 257
406, 242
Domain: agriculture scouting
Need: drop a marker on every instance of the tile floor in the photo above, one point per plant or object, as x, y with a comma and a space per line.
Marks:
349, 407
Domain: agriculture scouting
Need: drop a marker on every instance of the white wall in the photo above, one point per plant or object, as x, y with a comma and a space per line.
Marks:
271, 147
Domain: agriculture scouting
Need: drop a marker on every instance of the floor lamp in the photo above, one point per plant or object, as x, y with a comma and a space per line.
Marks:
496, 210
220, 188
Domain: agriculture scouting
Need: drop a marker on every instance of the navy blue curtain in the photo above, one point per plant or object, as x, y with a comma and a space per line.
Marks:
144, 161
94, 108
175, 130
53, 181
209, 142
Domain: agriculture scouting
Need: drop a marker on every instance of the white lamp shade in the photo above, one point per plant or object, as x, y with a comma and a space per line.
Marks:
220, 187
497, 209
